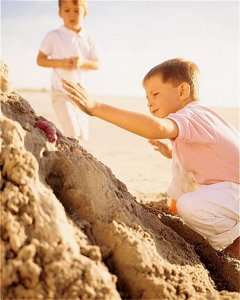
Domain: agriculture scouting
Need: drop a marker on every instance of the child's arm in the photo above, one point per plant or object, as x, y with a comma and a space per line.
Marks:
44, 61
143, 125
162, 148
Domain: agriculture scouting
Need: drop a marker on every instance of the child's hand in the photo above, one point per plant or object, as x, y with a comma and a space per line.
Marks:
67, 64
77, 62
161, 147
79, 96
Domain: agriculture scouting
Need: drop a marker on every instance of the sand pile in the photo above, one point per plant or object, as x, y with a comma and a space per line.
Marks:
71, 230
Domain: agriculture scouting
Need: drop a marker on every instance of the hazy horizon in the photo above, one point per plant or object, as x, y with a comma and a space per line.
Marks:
133, 36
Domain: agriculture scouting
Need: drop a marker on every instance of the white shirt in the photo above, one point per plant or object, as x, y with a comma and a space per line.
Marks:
64, 43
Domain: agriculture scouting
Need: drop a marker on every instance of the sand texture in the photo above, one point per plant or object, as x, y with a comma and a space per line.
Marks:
71, 230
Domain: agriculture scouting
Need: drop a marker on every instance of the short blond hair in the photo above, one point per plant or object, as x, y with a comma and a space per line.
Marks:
176, 71
82, 3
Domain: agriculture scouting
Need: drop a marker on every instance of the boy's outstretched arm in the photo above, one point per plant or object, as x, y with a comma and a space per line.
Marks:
140, 124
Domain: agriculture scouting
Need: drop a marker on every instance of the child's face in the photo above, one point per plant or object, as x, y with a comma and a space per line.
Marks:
163, 98
72, 15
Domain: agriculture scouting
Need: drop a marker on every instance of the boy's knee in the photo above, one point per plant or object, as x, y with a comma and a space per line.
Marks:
186, 206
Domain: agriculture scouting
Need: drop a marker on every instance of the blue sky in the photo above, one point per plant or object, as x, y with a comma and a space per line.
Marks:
133, 37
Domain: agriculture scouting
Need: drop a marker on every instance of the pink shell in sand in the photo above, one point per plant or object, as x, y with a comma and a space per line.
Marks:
49, 129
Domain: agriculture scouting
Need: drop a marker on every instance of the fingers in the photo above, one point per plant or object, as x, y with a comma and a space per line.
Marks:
72, 90
69, 84
77, 91
80, 85
69, 61
77, 95
156, 143
76, 100
73, 98
152, 142
81, 103
161, 147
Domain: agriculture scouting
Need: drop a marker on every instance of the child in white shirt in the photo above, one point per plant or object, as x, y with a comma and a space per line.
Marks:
70, 52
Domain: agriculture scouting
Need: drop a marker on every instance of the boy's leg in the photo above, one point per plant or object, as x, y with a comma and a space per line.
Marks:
67, 115
213, 212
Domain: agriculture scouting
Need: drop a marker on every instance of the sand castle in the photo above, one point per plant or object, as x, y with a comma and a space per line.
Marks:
71, 230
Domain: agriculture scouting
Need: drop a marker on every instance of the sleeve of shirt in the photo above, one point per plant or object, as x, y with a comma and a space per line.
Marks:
93, 49
194, 128
46, 46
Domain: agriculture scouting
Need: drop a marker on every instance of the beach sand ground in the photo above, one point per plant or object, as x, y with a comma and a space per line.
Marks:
69, 225
130, 157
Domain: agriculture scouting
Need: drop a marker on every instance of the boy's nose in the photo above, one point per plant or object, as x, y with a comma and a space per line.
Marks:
150, 104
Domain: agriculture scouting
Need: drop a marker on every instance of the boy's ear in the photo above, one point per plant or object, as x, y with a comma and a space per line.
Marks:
184, 90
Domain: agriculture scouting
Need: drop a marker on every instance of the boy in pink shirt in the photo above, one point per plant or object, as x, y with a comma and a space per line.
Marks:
205, 148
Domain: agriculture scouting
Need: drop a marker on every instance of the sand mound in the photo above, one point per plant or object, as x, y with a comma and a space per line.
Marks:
71, 230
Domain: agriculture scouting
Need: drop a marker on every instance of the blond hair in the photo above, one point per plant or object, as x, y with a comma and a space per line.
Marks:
82, 3
176, 71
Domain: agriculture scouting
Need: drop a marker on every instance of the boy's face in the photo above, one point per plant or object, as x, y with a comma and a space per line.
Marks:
163, 98
72, 15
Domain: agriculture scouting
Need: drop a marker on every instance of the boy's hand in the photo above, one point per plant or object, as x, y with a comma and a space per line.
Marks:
67, 64
161, 147
78, 95
77, 62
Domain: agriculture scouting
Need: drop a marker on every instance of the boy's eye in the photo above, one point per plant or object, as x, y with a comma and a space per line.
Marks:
66, 10
155, 94
77, 11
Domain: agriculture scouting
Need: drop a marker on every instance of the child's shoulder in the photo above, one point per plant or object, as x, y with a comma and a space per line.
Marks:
201, 114
196, 107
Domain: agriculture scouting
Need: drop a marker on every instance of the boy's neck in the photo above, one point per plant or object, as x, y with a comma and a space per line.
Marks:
77, 30
189, 100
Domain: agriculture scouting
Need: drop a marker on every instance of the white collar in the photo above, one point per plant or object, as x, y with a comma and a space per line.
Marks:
81, 33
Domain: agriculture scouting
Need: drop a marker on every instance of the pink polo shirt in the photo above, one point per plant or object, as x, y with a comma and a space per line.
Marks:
207, 145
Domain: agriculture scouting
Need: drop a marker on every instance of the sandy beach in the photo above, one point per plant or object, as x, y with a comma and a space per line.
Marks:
130, 157
71, 230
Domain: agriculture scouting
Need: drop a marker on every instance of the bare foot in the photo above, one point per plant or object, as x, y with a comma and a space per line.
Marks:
233, 249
